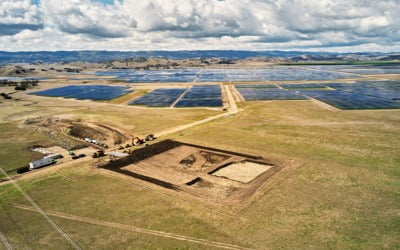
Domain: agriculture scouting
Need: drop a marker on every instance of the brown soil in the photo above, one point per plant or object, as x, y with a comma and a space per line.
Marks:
189, 168
98, 132
70, 134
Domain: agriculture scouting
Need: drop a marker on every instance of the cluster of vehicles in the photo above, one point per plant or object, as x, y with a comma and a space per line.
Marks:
45, 161
96, 142
51, 159
75, 156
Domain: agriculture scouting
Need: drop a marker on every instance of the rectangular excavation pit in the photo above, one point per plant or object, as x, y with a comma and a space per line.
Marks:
207, 173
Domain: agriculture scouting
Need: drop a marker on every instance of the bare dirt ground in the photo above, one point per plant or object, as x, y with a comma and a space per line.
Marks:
242, 171
192, 169
324, 105
70, 133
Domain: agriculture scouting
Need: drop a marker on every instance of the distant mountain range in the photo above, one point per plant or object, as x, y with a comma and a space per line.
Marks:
103, 56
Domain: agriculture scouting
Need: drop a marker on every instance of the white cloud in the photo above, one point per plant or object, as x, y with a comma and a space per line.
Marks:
87, 17
200, 24
18, 15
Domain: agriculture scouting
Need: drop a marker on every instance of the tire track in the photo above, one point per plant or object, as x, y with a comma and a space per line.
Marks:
215, 244
3, 239
37, 209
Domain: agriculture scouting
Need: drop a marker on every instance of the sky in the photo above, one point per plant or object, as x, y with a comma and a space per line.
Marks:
136, 25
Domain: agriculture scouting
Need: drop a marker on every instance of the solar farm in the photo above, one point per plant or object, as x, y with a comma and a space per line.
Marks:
276, 73
358, 95
334, 85
197, 96
152, 76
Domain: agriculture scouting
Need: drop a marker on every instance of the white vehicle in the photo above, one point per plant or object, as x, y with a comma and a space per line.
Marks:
41, 163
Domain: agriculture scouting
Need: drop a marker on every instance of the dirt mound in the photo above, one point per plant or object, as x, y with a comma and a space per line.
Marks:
53, 128
70, 133
82, 131
202, 159
98, 132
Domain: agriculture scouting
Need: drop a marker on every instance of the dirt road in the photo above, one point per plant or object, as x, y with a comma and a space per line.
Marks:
233, 109
37, 209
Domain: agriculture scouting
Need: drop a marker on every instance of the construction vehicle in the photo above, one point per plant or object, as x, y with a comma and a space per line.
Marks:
98, 154
137, 141
74, 157
150, 137
55, 156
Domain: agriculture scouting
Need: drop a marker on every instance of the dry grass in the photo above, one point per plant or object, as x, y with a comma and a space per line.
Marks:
344, 195
126, 98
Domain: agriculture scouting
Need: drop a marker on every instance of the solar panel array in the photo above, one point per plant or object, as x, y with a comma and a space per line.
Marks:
89, 92
147, 76
257, 93
373, 70
376, 89
359, 95
297, 74
348, 100
390, 85
241, 75
159, 97
302, 86
202, 96
253, 86
212, 75
276, 73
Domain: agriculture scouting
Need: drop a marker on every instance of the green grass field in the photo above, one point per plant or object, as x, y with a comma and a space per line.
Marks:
343, 195
14, 147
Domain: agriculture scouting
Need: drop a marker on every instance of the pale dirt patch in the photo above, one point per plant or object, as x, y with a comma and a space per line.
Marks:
242, 171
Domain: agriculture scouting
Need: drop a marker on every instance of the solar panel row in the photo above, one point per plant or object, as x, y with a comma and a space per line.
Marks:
348, 100
202, 96
89, 92
302, 86
254, 94
159, 97
375, 89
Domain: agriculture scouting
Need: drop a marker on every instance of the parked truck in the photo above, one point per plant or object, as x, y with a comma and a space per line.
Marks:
41, 163
98, 154
54, 156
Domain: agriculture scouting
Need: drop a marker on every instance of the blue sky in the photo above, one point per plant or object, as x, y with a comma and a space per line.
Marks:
316, 25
